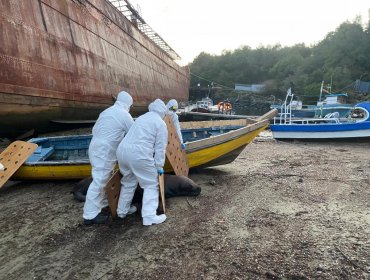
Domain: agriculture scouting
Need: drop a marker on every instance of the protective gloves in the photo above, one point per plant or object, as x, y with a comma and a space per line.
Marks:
160, 171
183, 146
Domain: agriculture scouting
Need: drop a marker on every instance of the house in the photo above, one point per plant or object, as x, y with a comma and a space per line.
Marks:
251, 88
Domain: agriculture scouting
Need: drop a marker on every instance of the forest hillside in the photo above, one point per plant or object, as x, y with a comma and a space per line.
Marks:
340, 59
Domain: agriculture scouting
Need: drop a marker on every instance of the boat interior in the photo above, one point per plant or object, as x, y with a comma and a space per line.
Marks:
75, 148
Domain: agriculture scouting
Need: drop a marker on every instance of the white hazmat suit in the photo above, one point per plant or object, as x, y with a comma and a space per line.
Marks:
172, 106
108, 131
140, 156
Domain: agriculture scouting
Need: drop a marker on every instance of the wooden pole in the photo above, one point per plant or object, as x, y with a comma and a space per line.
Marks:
161, 190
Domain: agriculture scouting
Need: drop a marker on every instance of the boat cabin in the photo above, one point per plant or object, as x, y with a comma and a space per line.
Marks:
334, 98
205, 103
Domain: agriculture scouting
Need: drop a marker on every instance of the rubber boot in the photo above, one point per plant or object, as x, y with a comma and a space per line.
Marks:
155, 220
131, 211
101, 218
149, 207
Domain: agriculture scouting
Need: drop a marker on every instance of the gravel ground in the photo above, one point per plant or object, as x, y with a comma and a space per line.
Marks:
281, 210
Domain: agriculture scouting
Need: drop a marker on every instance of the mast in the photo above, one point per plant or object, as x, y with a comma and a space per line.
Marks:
322, 86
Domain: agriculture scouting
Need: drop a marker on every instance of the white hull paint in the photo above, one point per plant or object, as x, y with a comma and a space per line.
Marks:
321, 135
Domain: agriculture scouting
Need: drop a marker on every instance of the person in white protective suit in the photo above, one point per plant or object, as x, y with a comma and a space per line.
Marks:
141, 157
110, 128
172, 106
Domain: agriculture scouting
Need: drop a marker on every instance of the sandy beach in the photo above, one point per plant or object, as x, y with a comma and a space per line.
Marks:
281, 210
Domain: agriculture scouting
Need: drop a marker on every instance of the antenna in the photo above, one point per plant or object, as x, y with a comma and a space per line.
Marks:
331, 82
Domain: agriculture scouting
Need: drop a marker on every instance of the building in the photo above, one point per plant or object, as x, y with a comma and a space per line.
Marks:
251, 88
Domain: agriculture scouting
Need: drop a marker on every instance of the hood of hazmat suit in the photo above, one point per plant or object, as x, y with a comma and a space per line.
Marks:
124, 100
172, 104
158, 107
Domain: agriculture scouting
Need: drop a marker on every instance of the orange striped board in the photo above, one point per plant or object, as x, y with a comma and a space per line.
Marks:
175, 155
13, 157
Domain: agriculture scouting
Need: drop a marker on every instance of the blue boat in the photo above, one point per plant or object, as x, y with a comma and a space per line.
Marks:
356, 125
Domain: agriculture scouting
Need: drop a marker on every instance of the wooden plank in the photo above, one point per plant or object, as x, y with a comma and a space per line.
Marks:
268, 115
206, 124
113, 189
224, 116
175, 154
161, 191
13, 157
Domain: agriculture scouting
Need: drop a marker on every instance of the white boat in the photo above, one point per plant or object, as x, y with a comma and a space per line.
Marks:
328, 103
357, 125
204, 106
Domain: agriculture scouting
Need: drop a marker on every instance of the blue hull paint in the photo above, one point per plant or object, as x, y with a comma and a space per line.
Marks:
320, 127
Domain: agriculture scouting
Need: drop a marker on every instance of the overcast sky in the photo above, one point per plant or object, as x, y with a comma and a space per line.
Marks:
193, 26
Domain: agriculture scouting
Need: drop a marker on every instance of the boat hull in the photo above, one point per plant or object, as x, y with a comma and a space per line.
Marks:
321, 131
67, 60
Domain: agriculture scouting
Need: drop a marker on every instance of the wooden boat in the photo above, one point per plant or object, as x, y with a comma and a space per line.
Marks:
65, 60
208, 143
330, 128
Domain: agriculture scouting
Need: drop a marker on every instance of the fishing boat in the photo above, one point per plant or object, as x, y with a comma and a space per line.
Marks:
333, 102
67, 60
206, 110
356, 126
328, 103
204, 106
208, 143
298, 109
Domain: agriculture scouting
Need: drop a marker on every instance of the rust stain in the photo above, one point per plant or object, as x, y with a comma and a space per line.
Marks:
77, 54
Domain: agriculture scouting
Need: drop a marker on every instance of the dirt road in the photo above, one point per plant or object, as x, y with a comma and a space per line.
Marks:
280, 211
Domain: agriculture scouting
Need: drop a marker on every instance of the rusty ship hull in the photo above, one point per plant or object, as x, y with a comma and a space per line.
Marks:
66, 59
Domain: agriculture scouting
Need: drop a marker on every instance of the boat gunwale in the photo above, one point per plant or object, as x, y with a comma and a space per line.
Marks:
222, 138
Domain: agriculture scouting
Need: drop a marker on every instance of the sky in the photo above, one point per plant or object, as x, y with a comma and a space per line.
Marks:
194, 26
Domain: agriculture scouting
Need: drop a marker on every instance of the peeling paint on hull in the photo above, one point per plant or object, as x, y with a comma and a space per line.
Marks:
67, 58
